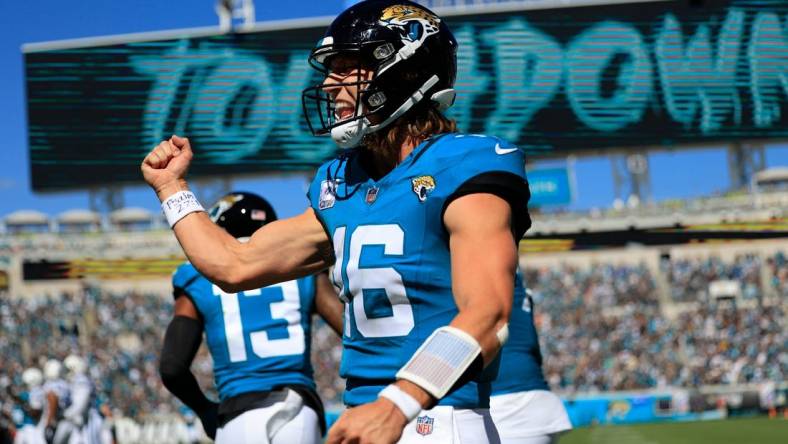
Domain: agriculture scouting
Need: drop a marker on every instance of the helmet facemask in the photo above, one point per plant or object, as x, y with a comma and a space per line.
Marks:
320, 107
411, 55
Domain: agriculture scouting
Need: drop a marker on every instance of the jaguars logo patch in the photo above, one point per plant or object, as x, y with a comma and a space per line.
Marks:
406, 19
422, 186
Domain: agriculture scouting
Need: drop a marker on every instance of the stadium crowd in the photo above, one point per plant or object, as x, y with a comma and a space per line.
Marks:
600, 328
589, 348
689, 278
117, 333
734, 346
778, 273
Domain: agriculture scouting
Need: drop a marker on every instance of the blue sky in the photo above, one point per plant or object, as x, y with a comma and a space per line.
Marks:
674, 174
43, 20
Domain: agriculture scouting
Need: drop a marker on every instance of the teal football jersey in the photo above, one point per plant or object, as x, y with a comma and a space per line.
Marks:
521, 358
259, 340
393, 265
35, 399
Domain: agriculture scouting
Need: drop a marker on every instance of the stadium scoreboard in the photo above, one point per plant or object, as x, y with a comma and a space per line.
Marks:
554, 81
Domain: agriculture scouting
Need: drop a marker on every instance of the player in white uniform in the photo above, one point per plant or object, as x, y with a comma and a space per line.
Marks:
81, 422
32, 427
57, 395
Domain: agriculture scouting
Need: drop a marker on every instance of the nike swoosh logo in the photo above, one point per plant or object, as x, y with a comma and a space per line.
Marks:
500, 150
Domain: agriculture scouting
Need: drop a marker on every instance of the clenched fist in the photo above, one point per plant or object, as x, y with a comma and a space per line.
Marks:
379, 422
165, 167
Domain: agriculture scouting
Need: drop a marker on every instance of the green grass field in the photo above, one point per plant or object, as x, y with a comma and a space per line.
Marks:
730, 431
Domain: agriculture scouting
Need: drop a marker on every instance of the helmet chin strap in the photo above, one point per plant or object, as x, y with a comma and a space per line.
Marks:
349, 134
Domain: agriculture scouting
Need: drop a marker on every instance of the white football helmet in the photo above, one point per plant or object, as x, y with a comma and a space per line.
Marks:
32, 377
53, 370
75, 365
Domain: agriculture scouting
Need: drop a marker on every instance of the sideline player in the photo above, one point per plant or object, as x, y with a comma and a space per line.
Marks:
522, 406
420, 223
57, 394
259, 341
30, 429
81, 421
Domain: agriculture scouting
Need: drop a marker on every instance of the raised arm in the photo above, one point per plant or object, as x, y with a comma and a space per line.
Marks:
280, 251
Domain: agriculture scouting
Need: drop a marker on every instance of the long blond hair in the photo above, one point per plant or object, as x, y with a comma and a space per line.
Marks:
418, 124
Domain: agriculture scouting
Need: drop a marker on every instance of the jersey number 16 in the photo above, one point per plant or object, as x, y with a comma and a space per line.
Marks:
360, 278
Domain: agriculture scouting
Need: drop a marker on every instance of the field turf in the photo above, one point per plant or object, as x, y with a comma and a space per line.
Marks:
729, 431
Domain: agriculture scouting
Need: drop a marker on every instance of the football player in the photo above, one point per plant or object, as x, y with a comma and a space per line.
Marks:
30, 430
259, 340
57, 394
81, 421
522, 406
419, 222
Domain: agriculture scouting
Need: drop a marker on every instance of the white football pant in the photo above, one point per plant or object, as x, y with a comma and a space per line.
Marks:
447, 425
286, 421
531, 417
29, 434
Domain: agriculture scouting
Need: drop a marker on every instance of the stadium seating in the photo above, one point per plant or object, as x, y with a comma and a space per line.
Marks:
602, 327
690, 278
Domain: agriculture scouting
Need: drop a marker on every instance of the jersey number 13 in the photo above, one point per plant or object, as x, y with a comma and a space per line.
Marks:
263, 346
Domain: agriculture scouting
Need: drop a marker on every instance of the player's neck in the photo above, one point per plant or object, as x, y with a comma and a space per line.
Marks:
380, 162
407, 147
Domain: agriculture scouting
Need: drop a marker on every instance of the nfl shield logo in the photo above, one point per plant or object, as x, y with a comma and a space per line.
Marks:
372, 195
424, 425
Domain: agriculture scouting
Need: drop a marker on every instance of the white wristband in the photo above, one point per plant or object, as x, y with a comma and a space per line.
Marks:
441, 360
177, 206
408, 404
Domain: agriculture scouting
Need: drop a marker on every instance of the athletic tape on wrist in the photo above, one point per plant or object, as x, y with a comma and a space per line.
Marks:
441, 360
408, 404
177, 206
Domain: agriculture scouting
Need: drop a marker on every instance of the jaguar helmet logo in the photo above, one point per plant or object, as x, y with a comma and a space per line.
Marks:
408, 18
223, 205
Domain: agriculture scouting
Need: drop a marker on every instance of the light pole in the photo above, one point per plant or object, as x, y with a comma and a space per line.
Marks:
235, 14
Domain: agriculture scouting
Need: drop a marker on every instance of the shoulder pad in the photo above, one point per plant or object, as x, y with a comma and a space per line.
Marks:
184, 275
468, 155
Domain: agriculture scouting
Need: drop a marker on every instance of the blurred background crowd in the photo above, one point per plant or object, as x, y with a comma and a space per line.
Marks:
602, 327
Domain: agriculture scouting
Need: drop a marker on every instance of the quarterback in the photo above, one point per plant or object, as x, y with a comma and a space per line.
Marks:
419, 223
258, 339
